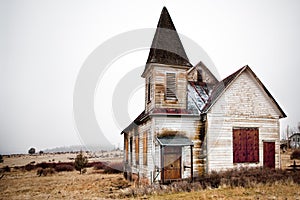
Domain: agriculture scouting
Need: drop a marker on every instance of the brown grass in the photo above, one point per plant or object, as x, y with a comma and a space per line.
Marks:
19, 184
274, 191
22, 184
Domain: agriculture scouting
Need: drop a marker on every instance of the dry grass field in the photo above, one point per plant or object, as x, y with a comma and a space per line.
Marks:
21, 160
276, 191
22, 184
64, 185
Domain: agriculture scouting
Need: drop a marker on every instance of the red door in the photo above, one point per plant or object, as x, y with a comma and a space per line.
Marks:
269, 154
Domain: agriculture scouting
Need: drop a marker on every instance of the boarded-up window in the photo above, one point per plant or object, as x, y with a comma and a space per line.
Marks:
149, 89
126, 147
137, 148
145, 147
170, 86
245, 145
130, 147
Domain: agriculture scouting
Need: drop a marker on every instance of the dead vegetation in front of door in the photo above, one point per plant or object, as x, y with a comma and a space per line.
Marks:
247, 178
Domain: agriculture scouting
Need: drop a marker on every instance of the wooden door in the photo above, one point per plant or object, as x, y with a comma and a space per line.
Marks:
269, 154
172, 163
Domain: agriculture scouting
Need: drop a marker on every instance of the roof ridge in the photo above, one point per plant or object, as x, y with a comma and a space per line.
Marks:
220, 87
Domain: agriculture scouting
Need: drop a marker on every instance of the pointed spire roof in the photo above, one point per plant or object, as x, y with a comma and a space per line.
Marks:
166, 46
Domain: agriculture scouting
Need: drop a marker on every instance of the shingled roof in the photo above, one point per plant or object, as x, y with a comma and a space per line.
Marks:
166, 46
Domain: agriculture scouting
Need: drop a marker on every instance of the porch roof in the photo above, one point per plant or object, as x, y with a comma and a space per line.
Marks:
174, 141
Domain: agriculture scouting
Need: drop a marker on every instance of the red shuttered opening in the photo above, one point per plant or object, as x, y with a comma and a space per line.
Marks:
245, 145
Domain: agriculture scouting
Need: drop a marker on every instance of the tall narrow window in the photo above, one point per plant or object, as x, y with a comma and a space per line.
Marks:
145, 147
245, 145
126, 147
170, 86
130, 149
149, 89
137, 148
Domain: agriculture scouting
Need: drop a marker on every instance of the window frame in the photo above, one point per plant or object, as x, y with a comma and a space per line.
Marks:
137, 149
145, 148
149, 89
170, 86
245, 145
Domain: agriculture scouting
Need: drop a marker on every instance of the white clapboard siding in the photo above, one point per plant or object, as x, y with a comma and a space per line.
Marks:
244, 104
188, 126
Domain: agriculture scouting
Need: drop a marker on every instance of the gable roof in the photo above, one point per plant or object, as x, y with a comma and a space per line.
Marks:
294, 134
166, 46
225, 83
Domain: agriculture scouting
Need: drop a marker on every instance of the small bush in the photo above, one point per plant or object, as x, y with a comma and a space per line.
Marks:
45, 165
6, 169
114, 168
243, 177
1, 158
64, 168
295, 154
44, 172
29, 167
99, 165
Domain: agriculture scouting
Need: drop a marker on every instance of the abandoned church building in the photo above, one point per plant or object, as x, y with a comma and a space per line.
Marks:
194, 123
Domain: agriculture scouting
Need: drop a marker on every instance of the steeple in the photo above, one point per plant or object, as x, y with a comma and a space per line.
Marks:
166, 46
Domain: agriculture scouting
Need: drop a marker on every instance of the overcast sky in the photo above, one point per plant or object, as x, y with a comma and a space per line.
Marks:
43, 45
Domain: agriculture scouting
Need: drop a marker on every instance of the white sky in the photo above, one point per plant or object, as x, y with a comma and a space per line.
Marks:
43, 45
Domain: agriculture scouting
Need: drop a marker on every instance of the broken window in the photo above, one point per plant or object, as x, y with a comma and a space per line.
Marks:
245, 145
137, 148
171, 86
145, 140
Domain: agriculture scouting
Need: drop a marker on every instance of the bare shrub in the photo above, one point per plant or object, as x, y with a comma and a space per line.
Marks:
243, 177
45, 165
29, 167
295, 154
64, 167
45, 172
6, 169
114, 168
97, 165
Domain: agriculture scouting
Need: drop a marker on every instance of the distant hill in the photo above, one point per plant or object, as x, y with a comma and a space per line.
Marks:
75, 148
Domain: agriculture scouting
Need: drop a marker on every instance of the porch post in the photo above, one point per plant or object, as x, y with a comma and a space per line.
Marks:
162, 163
192, 169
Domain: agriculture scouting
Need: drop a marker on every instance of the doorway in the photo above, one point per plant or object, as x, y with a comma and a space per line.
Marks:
269, 154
